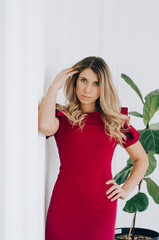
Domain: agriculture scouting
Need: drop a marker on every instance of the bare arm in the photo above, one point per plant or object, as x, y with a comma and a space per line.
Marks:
141, 163
48, 124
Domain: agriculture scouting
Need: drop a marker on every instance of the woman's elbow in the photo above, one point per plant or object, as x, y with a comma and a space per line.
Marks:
145, 161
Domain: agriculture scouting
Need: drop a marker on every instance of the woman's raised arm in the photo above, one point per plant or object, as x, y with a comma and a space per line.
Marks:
48, 124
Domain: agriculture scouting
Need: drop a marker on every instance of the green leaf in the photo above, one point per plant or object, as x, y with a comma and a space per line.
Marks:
149, 139
139, 202
154, 126
121, 177
132, 85
130, 162
152, 164
150, 107
136, 114
155, 92
153, 189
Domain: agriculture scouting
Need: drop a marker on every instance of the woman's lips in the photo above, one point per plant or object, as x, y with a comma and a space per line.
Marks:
86, 97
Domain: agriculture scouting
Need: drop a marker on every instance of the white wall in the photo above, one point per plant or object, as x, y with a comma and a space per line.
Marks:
138, 58
22, 172
125, 34
2, 121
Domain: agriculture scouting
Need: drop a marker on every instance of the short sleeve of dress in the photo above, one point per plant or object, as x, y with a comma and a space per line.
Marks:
132, 135
58, 115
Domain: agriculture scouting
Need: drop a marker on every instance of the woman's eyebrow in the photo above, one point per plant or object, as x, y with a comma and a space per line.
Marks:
87, 79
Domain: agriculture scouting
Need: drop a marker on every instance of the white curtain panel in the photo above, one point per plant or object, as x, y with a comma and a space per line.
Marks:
22, 75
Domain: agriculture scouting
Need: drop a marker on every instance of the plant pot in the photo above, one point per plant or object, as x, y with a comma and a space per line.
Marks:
138, 231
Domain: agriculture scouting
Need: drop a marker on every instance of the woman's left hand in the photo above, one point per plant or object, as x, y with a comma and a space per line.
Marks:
118, 191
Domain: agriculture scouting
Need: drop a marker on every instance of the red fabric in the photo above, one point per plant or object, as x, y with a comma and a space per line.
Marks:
132, 134
79, 208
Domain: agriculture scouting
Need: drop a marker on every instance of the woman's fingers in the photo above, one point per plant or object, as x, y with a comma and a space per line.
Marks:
62, 76
110, 181
116, 190
69, 70
116, 197
112, 188
114, 193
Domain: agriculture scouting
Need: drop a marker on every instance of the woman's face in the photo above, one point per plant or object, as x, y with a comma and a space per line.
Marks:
87, 85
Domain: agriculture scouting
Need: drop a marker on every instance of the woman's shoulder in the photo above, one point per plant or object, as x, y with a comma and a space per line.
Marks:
124, 110
60, 109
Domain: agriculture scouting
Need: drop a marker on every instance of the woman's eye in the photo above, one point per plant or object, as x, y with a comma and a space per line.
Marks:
83, 79
96, 83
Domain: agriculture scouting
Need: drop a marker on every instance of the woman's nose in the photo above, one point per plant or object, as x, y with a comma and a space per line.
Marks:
87, 88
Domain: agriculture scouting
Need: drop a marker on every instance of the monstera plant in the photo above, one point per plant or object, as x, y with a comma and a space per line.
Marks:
149, 138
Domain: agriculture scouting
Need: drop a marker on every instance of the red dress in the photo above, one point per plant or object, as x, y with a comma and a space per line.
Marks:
79, 208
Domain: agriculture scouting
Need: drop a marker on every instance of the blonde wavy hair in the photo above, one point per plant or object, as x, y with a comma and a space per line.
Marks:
108, 103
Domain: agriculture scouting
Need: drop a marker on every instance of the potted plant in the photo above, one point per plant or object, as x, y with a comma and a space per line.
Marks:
149, 138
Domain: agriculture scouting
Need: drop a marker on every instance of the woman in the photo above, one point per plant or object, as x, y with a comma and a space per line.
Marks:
84, 200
